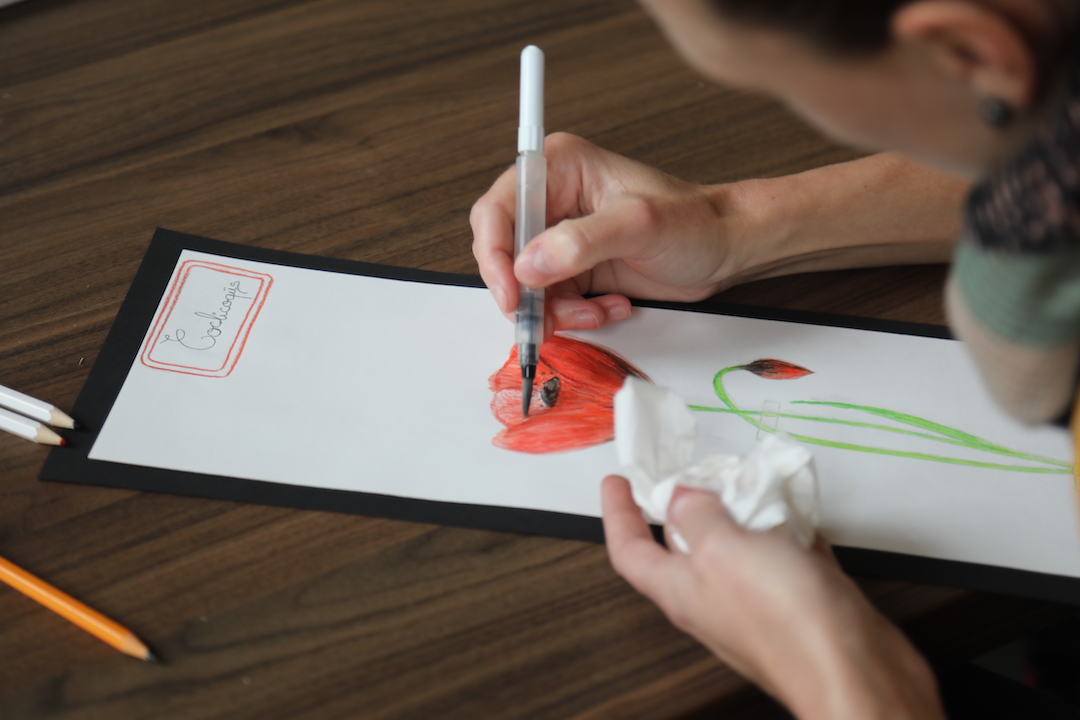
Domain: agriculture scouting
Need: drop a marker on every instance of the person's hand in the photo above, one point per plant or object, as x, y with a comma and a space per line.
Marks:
620, 229
616, 228
786, 618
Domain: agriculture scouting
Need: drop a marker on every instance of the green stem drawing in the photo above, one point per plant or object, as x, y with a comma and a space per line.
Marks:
923, 428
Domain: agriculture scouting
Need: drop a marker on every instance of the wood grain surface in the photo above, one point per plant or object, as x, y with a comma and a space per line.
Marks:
359, 129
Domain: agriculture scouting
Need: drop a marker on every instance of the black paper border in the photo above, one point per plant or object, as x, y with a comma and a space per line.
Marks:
72, 463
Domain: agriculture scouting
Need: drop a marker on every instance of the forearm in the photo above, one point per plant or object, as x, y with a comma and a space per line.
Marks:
857, 665
879, 210
892, 683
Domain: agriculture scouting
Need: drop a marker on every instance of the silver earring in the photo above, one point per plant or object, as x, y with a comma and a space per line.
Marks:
996, 112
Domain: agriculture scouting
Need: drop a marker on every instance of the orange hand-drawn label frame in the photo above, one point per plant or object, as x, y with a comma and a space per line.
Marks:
236, 347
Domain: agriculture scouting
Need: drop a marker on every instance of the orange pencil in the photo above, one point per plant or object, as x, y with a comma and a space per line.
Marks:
71, 609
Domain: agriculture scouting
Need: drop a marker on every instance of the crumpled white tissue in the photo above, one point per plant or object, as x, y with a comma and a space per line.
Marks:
774, 487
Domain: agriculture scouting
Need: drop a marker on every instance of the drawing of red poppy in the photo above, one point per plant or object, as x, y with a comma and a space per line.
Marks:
573, 397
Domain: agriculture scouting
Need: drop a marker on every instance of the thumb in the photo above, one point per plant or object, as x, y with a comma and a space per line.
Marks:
624, 230
694, 514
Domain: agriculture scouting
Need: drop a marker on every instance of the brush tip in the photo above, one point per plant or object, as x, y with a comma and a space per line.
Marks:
526, 395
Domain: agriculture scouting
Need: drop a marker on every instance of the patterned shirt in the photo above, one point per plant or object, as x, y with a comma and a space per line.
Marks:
1014, 292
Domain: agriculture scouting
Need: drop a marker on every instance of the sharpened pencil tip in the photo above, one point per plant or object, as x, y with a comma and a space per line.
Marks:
63, 442
151, 657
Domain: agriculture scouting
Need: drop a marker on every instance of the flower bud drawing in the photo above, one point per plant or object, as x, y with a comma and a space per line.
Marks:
573, 397
776, 369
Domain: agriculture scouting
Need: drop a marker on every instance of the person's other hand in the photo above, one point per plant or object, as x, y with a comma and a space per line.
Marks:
786, 618
616, 228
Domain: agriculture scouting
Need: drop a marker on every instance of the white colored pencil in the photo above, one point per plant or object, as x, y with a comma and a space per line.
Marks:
24, 427
33, 408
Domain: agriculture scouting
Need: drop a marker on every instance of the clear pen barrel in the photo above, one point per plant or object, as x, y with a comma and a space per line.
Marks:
531, 220
529, 325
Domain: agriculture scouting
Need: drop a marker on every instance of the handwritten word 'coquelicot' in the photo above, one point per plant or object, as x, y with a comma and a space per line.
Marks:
217, 319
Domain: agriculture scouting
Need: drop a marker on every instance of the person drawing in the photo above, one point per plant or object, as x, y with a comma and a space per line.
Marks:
976, 107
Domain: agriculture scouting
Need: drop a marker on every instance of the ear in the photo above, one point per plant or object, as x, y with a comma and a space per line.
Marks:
975, 45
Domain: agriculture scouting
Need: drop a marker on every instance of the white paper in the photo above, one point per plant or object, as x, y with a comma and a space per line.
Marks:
380, 386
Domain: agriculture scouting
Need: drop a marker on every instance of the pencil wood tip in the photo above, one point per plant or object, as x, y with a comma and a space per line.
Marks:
59, 418
45, 436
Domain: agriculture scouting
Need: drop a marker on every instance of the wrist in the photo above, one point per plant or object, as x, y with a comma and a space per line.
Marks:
861, 667
778, 226
755, 225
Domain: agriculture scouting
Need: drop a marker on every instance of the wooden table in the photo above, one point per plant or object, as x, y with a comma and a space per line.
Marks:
359, 129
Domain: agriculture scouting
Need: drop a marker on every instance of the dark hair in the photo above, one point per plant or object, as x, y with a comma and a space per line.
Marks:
838, 26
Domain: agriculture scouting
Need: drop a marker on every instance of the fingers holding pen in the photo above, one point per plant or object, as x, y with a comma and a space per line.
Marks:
492, 221
574, 246
609, 231
493, 218
570, 310
566, 306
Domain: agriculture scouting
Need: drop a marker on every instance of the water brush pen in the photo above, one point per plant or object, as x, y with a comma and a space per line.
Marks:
531, 213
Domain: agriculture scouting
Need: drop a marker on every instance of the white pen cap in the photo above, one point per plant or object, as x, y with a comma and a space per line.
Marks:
531, 123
